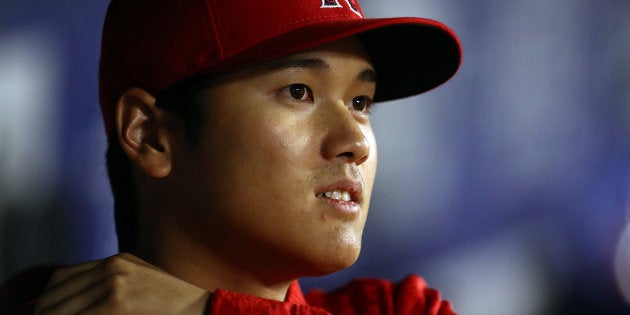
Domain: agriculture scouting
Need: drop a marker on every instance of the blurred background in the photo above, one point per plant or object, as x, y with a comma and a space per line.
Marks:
507, 188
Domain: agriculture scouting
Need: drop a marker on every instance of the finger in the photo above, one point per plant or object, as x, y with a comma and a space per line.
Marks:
78, 283
72, 280
62, 274
78, 302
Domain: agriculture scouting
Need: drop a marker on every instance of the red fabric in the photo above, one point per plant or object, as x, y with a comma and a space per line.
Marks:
377, 296
360, 297
224, 302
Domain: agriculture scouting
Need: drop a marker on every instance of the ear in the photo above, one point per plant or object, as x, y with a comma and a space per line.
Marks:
142, 132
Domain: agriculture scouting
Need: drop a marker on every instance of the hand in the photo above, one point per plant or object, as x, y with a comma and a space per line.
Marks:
121, 284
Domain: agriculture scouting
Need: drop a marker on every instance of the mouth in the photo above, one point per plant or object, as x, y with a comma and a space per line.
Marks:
345, 191
345, 197
336, 195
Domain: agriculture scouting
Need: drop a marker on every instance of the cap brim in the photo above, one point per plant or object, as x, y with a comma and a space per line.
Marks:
411, 55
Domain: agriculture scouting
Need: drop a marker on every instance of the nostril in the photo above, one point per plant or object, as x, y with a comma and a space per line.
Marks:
352, 157
346, 154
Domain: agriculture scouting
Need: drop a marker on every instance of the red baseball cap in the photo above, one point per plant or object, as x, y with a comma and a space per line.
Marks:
153, 44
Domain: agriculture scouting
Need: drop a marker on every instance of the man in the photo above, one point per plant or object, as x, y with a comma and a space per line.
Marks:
241, 155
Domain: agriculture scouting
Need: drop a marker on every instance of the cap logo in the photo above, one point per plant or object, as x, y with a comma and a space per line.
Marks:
352, 5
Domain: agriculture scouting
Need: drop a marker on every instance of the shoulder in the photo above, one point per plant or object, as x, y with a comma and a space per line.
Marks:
378, 296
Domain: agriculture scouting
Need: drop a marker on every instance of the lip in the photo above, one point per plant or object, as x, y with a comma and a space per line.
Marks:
346, 209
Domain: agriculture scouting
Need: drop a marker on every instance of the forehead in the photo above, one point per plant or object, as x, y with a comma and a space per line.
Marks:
350, 47
347, 51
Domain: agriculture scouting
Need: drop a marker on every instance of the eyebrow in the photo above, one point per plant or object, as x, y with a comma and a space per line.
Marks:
367, 75
310, 63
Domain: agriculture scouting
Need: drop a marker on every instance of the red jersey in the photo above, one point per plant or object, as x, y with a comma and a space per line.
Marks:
359, 297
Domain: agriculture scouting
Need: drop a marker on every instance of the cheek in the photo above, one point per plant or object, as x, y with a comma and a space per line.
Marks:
280, 152
262, 159
284, 163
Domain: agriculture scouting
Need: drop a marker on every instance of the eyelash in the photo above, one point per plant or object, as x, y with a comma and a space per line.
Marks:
364, 102
288, 90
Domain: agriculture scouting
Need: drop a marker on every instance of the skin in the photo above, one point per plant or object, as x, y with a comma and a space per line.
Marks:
242, 210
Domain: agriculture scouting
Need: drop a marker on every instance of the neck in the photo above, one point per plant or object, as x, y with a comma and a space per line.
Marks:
197, 263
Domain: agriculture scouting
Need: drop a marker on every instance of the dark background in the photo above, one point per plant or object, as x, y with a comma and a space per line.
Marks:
506, 188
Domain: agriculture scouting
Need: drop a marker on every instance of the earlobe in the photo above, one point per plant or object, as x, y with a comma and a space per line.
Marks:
141, 132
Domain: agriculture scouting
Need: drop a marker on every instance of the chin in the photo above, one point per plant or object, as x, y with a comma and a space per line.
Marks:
335, 261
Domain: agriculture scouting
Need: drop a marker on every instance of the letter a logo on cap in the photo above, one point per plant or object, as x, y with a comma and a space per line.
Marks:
352, 5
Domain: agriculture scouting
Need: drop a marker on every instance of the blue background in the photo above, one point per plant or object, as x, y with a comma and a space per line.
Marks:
506, 188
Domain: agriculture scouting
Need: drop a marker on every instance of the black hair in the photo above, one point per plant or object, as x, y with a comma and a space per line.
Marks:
185, 99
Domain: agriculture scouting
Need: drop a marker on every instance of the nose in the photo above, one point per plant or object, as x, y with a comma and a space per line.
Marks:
345, 140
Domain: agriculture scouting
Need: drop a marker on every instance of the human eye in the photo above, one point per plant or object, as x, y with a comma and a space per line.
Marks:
298, 92
362, 104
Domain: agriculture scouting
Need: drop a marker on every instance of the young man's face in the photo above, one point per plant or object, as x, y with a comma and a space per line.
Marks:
282, 178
